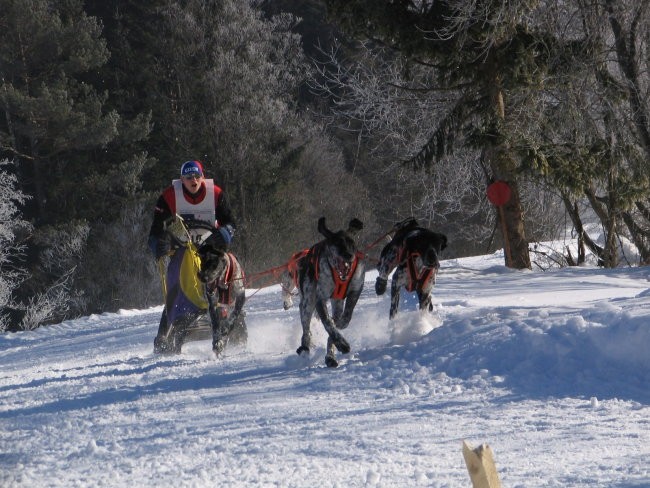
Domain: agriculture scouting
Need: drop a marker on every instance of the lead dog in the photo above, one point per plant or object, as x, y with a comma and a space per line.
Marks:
223, 276
332, 269
413, 252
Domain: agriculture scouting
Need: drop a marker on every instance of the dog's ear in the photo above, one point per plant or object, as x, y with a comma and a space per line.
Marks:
355, 226
322, 228
443, 241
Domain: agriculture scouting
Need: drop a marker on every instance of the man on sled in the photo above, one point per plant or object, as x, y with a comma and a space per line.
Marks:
197, 201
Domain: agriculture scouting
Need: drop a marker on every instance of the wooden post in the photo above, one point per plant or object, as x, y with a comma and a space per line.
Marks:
481, 467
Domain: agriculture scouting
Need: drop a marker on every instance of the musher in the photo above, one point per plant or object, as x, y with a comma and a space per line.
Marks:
192, 197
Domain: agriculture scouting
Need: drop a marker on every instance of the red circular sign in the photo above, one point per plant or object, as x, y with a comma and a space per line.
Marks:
499, 193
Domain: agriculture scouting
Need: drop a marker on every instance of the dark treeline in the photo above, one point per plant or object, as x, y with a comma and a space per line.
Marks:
300, 109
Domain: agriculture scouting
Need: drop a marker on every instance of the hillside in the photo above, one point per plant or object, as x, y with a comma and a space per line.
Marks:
550, 368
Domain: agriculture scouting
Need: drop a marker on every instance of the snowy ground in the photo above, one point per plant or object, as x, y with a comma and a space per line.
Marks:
551, 369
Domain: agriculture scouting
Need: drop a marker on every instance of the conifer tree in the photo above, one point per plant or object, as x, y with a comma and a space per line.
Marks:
485, 56
58, 128
229, 82
592, 139
49, 110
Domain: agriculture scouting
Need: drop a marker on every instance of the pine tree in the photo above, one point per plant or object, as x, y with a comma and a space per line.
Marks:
49, 110
485, 57
73, 150
228, 81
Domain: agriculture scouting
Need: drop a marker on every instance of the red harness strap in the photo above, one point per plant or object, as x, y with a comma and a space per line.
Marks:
224, 286
292, 265
340, 284
417, 278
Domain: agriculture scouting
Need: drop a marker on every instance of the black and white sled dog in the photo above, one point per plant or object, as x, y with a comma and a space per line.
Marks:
332, 269
413, 253
223, 276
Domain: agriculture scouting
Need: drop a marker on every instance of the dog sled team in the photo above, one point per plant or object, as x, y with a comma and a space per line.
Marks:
190, 238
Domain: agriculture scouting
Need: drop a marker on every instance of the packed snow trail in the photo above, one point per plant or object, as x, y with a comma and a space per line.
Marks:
551, 369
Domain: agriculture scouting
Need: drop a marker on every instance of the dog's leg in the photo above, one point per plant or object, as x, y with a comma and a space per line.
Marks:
168, 339
178, 331
330, 327
238, 333
287, 300
424, 294
170, 342
386, 263
220, 330
161, 343
330, 356
337, 311
350, 303
219, 323
395, 287
424, 298
286, 282
307, 303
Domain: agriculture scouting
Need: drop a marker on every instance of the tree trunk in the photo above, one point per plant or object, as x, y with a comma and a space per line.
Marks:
608, 254
625, 42
639, 237
514, 228
502, 166
583, 237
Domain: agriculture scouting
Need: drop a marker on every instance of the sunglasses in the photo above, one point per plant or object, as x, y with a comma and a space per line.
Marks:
193, 176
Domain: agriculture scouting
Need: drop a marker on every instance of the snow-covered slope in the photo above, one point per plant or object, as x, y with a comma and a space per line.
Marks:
551, 369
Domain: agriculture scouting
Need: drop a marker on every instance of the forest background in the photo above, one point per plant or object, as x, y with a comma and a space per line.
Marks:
372, 109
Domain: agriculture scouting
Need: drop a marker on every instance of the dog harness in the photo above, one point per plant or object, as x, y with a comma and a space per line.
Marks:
418, 277
292, 265
341, 283
222, 286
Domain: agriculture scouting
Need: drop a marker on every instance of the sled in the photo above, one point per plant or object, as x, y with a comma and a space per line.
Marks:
187, 315
182, 292
199, 330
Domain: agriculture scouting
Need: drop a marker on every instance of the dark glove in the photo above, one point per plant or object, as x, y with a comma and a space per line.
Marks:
163, 247
380, 285
221, 238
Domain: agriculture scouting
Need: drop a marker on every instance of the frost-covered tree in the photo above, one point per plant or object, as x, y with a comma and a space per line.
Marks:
590, 134
228, 86
46, 47
76, 155
11, 226
485, 64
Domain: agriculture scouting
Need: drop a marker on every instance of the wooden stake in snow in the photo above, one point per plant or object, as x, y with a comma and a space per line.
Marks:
481, 467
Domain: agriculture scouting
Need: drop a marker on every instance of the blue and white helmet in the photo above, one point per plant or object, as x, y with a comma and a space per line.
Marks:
192, 168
